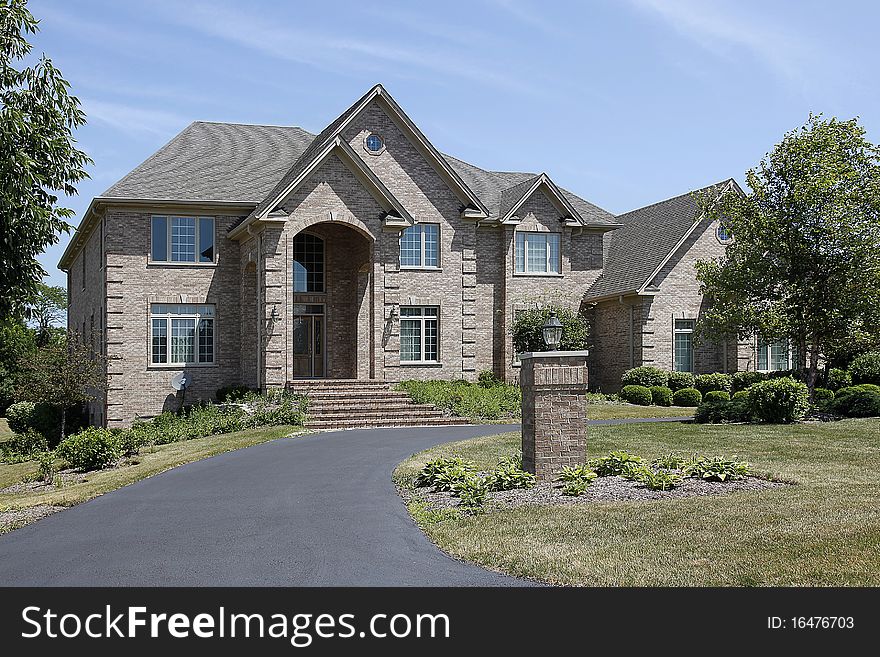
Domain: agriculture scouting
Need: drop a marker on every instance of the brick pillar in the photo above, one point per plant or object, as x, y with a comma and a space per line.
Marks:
554, 411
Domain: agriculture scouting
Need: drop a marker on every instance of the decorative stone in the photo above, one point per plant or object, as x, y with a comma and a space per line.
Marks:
554, 411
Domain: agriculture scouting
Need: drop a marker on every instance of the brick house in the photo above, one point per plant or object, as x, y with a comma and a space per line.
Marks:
257, 255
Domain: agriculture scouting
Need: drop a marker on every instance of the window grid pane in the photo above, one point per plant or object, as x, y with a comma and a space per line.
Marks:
308, 263
536, 253
160, 341
410, 340
684, 352
206, 341
183, 239
183, 340
520, 253
411, 247
159, 239
419, 334
431, 339
206, 239
431, 233
553, 245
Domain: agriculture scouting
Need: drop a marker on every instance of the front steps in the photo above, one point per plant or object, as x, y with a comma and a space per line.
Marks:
357, 404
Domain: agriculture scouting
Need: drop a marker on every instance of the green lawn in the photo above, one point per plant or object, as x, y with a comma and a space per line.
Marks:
823, 531
5, 433
622, 411
151, 461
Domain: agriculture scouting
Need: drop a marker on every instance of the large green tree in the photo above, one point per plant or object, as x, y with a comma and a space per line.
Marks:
38, 157
804, 264
47, 310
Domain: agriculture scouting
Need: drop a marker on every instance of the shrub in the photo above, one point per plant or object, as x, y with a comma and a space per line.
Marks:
645, 376
838, 379
528, 329
614, 464
715, 412
90, 449
636, 395
466, 400
866, 368
710, 412
471, 491
130, 441
741, 380
233, 393
822, 395
779, 401
46, 463
23, 446
687, 397
509, 475
715, 469
661, 396
740, 394
679, 380
20, 416
43, 418
712, 382
716, 396
487, 379
857, 401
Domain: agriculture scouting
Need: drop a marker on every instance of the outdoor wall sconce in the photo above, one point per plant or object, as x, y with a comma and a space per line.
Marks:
552, 331
393, 315
274, 314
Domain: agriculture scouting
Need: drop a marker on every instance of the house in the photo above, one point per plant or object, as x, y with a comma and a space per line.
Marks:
256, 255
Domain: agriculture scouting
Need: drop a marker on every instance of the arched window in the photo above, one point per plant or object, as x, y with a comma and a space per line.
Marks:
308, 263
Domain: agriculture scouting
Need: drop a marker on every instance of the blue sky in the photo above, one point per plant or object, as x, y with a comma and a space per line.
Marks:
625, 102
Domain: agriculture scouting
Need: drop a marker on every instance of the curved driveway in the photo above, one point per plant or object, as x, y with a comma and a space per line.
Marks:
316, 510
313, 510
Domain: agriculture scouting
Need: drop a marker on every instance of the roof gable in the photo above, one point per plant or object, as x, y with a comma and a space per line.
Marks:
649, 238
513, 198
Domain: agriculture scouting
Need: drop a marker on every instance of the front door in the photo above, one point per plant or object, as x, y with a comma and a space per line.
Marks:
308, 341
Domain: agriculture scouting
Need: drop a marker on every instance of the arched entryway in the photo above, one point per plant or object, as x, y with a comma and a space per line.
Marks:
331, 332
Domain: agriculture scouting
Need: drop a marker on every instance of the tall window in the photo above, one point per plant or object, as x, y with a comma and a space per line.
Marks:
419, 334
683, 345
774, 355
181, 334
537, 253
308, 263
182, 239
419, 246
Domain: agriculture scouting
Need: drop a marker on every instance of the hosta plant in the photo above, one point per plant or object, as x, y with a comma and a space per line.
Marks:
614, 463
471, 491
576, 487
659, 479
443, 471
716, 469
508, 475
668, 462
577, 473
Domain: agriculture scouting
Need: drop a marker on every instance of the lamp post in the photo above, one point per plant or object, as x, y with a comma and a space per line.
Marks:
552, 331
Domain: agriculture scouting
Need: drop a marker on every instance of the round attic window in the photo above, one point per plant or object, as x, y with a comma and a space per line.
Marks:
374, 144
723, 234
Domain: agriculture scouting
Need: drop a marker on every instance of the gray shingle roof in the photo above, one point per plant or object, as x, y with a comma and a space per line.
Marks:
648, 235
215, 162
254, 163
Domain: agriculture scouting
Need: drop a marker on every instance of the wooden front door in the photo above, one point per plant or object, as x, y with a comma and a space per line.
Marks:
308, 341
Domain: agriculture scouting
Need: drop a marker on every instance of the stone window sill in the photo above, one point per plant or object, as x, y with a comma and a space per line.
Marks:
418, 363
168, 263
519, 274
179, 366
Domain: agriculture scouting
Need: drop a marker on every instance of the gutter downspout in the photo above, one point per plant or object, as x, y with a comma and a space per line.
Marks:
632, 355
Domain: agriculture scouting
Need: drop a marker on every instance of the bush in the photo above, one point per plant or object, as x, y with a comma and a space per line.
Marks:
838, 379
718, 411
636, 395
779, 401
658, 479
90, 449
23, 446
740, 394
46, 463
857, 401
687, 397
528, 329
822, 395
741, 380
661, 396
716, 396
464, 399
487, 379
130, 441
20, 415
43, 418
645, 376
866, 368
679, 380
712, 382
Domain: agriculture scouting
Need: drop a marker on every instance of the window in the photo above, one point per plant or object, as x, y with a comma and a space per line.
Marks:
419, 334
419, 246
774, 356
374, 144
308, 263
683, 345
181, 334
722, 233
182, 239
537, 253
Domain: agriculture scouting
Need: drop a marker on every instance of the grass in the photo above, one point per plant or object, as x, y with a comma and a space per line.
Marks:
626, 411
824, 531
151, 461
5, 432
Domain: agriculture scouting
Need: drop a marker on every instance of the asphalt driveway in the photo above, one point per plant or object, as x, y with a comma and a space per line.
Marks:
317, 510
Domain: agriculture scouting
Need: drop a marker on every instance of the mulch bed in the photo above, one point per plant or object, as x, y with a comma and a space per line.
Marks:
62, 478
603, 489
16, 518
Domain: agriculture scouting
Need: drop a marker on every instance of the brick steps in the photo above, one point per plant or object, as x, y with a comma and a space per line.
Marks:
354, 404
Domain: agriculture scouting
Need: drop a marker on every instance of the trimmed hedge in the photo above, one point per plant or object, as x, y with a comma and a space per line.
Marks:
636, 394
742, 380
716, 396
645, 376
822, 395
711, 382
858, 401
661, 396
679, 380
740, 394
90, 449
687, 397
866, 368
715, 412
779, 401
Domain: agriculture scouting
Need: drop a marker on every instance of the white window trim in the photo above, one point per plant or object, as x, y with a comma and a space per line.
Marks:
675, 332
168, 317
768, 346
422, 266
168, 230
548, 273
422, 319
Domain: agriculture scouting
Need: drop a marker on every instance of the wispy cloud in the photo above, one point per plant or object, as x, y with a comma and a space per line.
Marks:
333, 51
531, 15
726, 32
133, 120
